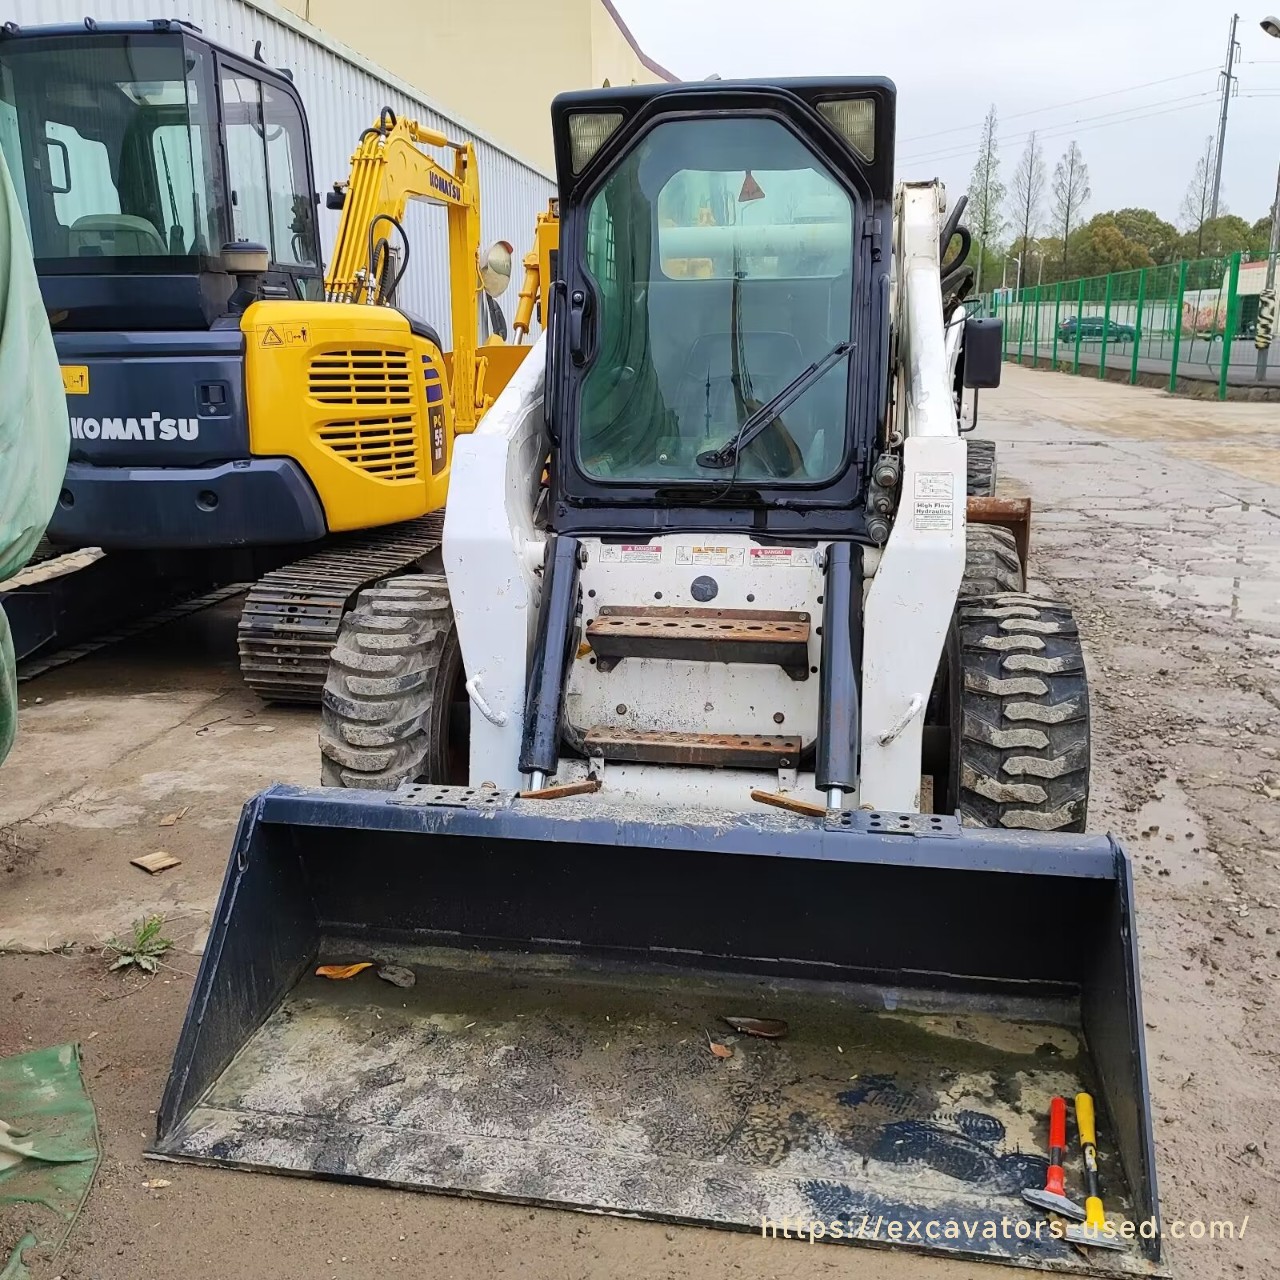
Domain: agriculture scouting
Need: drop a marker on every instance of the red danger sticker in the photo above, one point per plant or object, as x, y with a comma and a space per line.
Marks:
781, 558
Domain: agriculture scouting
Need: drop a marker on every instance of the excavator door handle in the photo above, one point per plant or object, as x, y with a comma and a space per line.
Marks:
577, 326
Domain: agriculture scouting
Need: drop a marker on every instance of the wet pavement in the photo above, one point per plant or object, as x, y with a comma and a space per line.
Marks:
1158, 519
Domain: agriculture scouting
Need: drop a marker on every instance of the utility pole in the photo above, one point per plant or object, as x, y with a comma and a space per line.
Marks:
1267, 300
1228, 82
1268, 295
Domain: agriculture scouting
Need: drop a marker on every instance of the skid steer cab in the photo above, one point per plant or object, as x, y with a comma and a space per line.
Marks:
760, 728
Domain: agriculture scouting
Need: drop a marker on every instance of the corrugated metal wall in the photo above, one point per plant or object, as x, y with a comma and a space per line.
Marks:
343, 93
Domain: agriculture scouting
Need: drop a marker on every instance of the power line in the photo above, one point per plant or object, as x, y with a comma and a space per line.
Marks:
1055, 129
1075, 102
1082, 125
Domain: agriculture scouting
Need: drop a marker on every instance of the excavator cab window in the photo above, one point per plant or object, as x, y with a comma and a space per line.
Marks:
115, 141
111, 142
720, 250
270, 188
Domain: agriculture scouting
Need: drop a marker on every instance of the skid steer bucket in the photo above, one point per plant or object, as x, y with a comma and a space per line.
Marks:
565, 1039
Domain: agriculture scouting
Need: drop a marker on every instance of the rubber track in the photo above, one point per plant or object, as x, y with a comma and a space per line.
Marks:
291, 616
29, 668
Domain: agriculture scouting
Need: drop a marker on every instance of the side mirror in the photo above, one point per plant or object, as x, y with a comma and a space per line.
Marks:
495, 268
983, 351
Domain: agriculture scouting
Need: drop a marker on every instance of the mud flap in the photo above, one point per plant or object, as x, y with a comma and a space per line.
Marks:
564, 1042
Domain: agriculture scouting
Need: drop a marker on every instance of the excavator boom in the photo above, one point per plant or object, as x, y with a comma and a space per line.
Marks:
388, 169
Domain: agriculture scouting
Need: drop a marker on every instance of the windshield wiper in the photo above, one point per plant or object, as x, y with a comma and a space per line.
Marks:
727, 454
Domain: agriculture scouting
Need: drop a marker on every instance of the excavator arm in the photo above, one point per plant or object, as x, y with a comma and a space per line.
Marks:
539, 268
388, 169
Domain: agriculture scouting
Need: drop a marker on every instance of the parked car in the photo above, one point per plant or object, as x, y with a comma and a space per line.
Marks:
1092, 327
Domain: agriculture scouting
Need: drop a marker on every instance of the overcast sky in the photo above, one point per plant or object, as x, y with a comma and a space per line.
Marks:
1030, 58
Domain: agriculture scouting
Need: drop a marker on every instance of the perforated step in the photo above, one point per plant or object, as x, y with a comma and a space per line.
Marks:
769, 637
742, 750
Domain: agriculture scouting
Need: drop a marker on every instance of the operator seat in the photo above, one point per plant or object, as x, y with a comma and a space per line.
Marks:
114, 235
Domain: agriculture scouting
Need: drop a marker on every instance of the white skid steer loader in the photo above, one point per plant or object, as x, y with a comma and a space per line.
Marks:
683, 941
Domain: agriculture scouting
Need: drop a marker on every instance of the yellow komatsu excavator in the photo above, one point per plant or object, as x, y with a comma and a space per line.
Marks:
382, 396
235, 414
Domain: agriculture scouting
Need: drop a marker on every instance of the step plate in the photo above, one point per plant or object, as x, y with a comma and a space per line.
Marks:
768, 637
744, 750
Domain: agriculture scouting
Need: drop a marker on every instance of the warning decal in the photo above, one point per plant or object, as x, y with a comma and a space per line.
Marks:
781, 558
631, 553
934, 510
283, 335
715, 556
933, 484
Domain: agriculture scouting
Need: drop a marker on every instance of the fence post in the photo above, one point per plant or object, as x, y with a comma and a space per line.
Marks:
1229, 322
1075, 367
1177, 326
1106, 329
1137, 325
1035, 341
1057, 313
1022, 321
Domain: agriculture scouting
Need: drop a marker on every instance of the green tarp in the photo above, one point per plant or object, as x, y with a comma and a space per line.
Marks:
33, 423
48, 1151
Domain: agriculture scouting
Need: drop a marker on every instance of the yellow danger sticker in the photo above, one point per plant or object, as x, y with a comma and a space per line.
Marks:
75, 379
283, 335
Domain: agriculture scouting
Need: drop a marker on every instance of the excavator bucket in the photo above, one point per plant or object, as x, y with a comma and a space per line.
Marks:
573, 1034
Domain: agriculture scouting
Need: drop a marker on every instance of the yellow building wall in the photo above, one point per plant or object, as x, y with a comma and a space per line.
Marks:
496, 64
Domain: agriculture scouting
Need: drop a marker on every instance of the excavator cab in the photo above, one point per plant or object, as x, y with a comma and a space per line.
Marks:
115, 135
166, 183
237, 412
603, 975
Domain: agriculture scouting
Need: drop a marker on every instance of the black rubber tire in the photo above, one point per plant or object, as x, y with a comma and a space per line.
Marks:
981, 455
1019, 715
395, 677
991, 562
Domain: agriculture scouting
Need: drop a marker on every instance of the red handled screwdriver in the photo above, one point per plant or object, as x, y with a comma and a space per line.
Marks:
1054, 1195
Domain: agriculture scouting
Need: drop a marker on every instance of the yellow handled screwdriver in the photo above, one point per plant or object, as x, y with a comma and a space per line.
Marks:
1092, 1231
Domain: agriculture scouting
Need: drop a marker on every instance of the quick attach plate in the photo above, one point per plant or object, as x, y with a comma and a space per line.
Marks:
945, 826
428, 794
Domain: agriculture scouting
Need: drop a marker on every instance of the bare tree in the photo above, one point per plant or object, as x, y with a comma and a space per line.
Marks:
1070, 193
1027, 194
1197, 204
986, 193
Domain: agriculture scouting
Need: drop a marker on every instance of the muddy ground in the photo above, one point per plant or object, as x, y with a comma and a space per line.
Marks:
1158, 519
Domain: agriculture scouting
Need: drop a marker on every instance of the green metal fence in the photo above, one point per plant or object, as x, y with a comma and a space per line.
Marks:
1181, 325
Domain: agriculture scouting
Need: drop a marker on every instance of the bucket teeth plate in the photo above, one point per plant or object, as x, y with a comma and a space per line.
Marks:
873, 821
428, 793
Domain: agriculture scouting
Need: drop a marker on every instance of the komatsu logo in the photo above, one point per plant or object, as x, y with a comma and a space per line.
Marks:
152, 427
445, 187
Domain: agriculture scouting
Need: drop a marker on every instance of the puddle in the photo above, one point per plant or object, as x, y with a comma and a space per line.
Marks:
1252, 599
1171, 840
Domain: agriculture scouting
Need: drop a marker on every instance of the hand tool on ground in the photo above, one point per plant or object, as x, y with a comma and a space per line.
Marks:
1053, 1195
1093, 1231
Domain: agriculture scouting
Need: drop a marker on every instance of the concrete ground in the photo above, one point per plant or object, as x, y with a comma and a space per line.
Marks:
1159, 519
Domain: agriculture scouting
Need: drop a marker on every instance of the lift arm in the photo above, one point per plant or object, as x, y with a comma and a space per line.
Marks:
539, 269
388, 169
